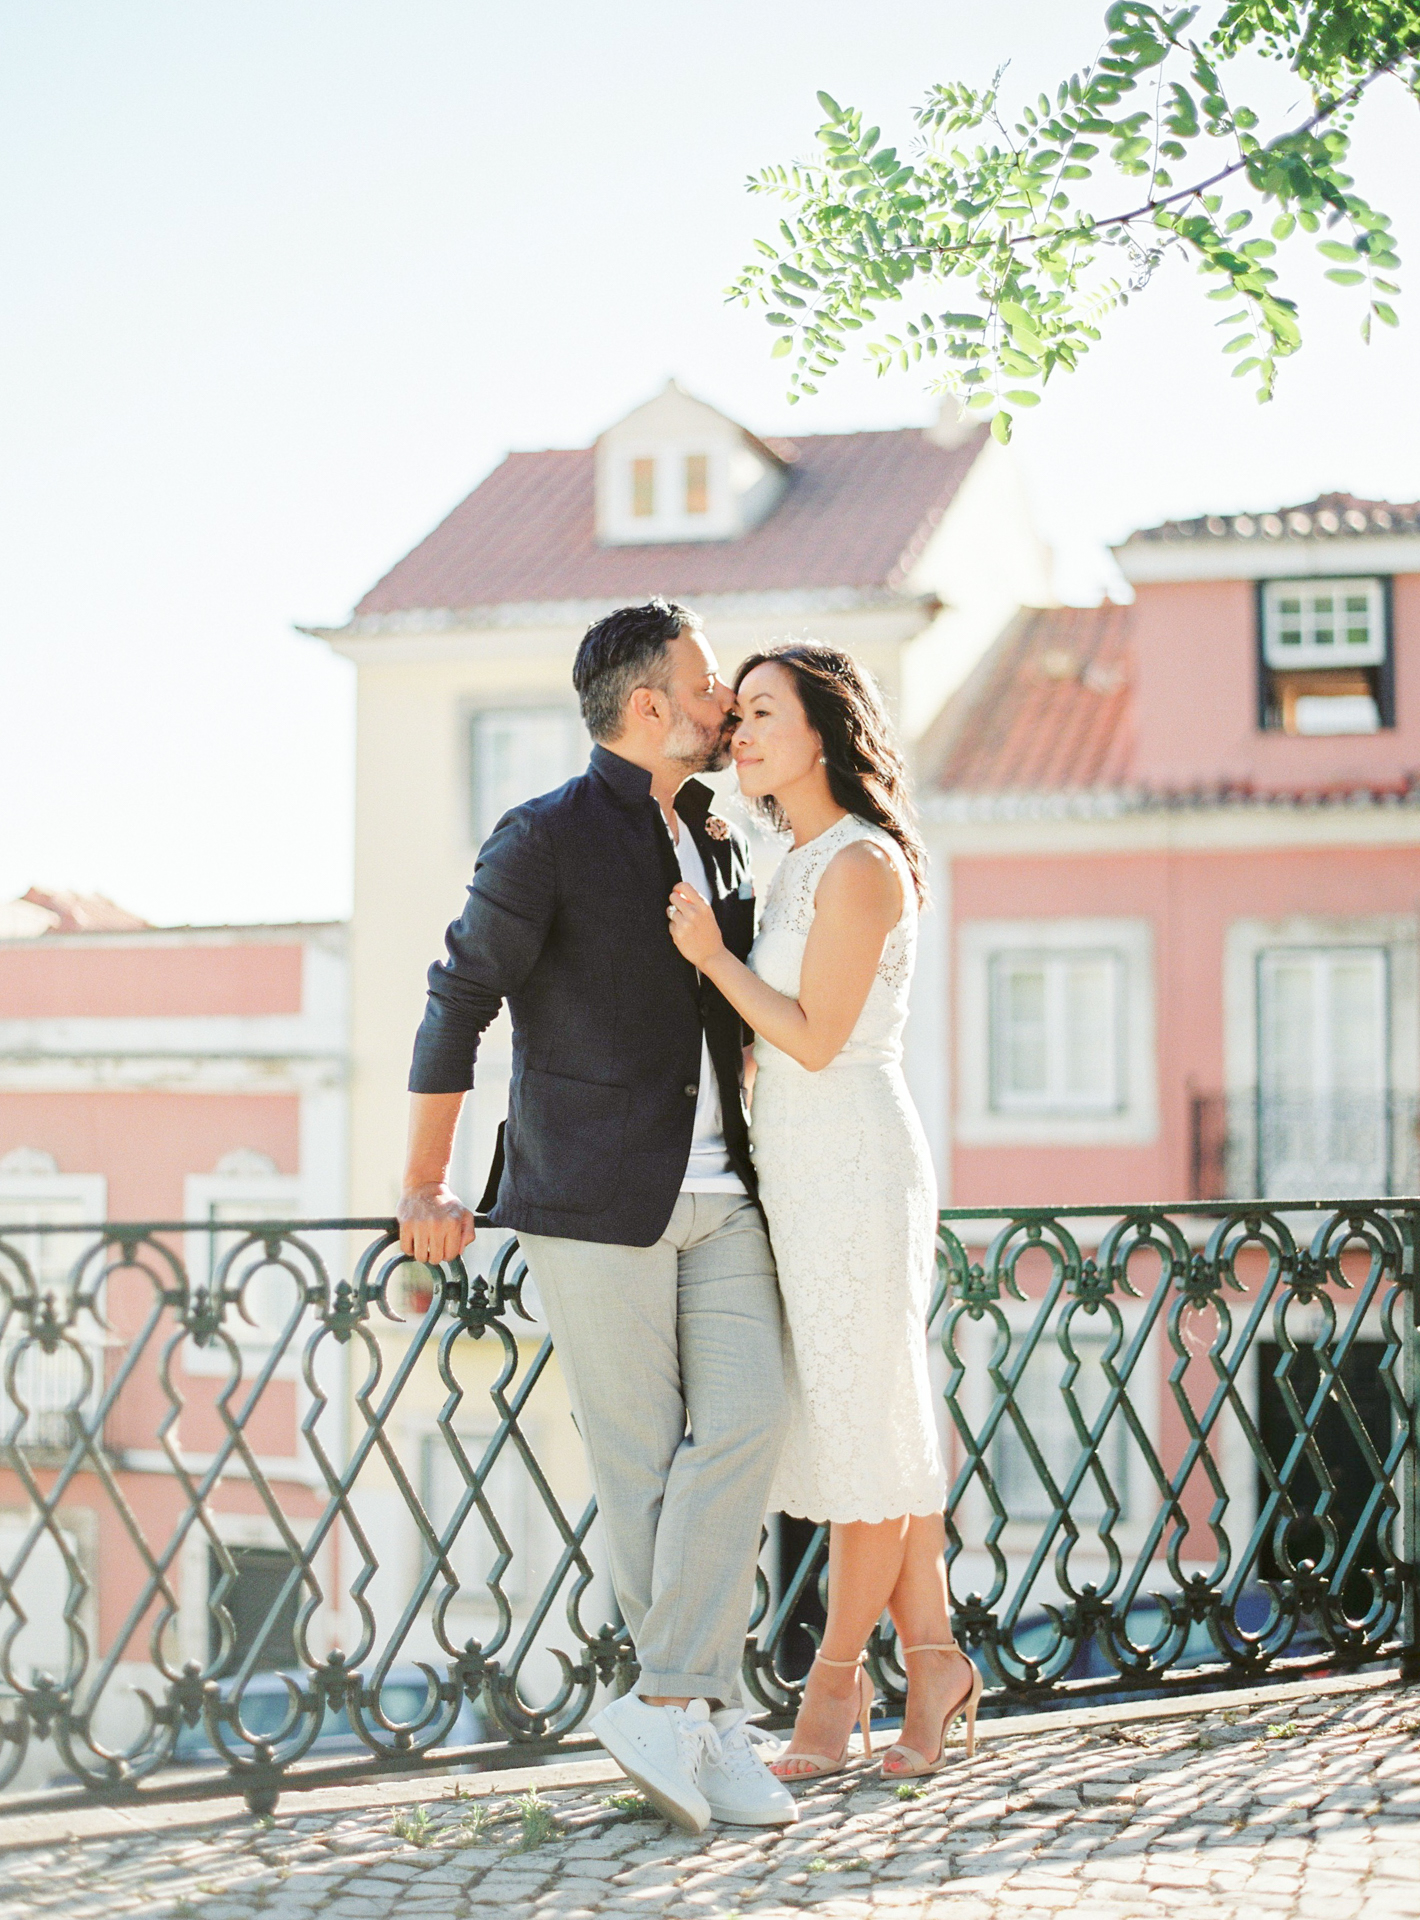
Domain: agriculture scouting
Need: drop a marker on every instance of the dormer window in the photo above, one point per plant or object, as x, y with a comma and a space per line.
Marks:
672, 493
676, 470
1325, 656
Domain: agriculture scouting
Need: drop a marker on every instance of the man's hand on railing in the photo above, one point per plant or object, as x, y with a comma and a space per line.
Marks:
434, 1224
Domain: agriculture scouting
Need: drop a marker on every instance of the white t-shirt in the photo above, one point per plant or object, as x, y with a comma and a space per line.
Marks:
708, 1169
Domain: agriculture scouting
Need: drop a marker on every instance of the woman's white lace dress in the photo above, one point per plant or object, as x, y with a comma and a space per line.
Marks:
847, 1185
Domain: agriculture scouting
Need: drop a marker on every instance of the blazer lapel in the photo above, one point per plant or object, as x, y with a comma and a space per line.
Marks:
716, 851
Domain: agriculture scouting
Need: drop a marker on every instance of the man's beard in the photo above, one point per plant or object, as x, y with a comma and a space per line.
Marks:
698, 749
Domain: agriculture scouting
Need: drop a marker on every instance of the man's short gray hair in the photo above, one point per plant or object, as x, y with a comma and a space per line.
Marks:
624, 651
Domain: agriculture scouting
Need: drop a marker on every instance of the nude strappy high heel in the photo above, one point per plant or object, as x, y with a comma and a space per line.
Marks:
967, 1705
817, 1764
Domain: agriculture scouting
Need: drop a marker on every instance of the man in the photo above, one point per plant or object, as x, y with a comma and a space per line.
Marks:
624, 1169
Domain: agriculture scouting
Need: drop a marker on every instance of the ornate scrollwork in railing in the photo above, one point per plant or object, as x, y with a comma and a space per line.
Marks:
1238, 1482
270, 1520
268, 1405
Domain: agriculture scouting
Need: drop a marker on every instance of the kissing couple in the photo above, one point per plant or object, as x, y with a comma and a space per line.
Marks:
719, 1183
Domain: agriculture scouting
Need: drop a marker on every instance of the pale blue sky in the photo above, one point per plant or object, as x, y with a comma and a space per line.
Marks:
284, 278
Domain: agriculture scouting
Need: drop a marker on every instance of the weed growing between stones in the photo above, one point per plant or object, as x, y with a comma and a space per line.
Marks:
634, 1805
907, 1791
472, 1830
539, 1822
412, 1824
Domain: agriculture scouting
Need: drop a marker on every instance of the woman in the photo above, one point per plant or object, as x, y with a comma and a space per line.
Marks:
847, 1187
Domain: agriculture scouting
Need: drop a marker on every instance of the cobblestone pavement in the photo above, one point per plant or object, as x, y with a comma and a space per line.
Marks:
1303, 1804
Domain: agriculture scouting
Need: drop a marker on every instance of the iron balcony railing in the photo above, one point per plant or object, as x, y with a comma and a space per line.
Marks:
285, 1528
1288, 1146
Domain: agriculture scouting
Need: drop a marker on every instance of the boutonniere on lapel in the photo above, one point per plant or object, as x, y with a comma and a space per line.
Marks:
716, 828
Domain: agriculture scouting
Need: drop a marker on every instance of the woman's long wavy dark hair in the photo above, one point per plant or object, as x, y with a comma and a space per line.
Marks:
866, 775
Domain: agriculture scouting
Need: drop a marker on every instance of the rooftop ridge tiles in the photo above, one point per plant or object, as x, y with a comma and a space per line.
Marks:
1329, 516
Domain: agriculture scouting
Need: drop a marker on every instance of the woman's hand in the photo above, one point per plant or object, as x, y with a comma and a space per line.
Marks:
693, 925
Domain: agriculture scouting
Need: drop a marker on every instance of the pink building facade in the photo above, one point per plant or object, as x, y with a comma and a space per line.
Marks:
176, 1074
1179, 845
1177, 874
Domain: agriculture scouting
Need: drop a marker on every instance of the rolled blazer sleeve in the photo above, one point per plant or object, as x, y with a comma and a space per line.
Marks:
491, 949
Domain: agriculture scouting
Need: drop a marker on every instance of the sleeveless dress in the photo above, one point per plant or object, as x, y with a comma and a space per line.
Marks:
845, 1177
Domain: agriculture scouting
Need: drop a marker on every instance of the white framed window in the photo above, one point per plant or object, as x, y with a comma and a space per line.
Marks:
1324, 650
245, 1186
1055, 1032
1322, 1055
518, 752
677, 488
1309, 624
33, 1193
671, 487
1324, 1110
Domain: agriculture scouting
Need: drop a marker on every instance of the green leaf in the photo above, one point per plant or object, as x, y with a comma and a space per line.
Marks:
1345, 276
1023, 398
1020, 322
1001, 428
784, 344
1385, 313
830, 105
1336, 250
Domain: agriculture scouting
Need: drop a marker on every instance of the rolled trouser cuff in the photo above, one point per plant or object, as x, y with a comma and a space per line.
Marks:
688, 1686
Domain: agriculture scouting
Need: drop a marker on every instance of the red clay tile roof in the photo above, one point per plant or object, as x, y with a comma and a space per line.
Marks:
857, 512
1047, 709
1330, 516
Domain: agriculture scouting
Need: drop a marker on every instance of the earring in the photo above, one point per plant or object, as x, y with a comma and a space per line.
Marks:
822, 761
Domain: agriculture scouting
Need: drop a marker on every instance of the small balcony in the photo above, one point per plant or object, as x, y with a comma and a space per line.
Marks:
1303, 1146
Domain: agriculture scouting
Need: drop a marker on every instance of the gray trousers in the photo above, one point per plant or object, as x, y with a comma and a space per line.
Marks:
673, 1357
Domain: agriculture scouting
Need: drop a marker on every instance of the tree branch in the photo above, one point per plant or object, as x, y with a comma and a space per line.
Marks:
1185, 194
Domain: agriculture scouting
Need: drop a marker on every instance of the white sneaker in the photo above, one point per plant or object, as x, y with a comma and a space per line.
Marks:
736, 1782
662, 1749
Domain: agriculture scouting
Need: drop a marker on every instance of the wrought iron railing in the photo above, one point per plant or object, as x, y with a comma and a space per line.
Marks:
1182, 1448
1291, 1145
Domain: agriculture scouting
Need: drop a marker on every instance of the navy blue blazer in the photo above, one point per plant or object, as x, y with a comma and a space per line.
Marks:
566, 921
